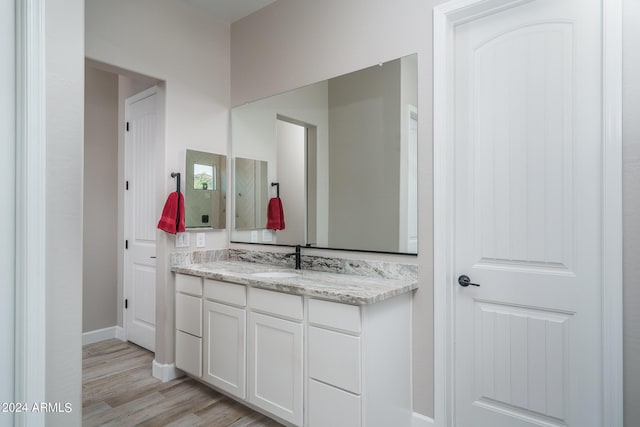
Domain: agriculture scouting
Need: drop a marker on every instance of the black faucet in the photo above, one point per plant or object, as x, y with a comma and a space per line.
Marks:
298, 257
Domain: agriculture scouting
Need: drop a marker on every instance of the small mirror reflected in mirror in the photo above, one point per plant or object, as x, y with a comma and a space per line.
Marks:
205, 198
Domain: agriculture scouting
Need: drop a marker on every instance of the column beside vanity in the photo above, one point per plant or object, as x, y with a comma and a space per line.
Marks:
326, 345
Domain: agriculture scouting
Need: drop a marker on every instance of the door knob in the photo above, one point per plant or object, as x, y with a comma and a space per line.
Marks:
464, 281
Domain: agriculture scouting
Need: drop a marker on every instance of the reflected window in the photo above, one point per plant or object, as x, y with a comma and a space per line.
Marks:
204, 177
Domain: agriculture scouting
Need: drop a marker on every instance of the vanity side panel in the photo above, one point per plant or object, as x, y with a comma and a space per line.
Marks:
386, 354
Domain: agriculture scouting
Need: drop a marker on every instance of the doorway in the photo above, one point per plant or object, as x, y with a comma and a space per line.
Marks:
106, 90
527, 289
142, 147
296, 176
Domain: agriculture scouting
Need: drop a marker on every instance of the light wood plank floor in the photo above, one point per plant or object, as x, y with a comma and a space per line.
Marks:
118, 390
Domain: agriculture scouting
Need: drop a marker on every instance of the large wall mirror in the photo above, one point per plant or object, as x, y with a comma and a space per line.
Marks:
205, 190
342, 153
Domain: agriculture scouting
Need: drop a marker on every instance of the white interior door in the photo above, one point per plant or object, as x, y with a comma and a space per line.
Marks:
528, 225
141, 218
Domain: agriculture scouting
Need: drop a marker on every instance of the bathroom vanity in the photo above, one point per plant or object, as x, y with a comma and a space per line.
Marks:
306, 347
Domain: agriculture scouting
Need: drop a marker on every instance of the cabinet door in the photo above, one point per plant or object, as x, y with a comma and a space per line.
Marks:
275, 366
224, 347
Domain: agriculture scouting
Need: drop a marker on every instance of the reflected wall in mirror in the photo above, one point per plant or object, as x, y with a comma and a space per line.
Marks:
205, 198
250, 191
350, 180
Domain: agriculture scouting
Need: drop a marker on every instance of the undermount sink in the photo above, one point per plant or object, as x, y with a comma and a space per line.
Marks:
275, 274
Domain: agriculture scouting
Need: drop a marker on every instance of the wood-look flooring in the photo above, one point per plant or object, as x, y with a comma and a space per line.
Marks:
119, 390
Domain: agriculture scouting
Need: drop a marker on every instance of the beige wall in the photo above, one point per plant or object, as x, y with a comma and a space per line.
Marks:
100, 198
64, 64
292, 43
363, 200
189, 51
7, 216
631, 183
186, 49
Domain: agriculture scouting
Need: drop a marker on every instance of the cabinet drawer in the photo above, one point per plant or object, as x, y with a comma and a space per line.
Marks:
329, 406
335, 315
277, 303
189, 353
228, 293
334, 358
189, 314
189, 284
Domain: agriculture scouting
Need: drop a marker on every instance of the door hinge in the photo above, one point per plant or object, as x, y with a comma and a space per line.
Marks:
127, 126
126, 185
126, 303
126, 244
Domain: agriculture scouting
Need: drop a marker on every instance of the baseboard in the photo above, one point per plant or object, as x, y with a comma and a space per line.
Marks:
103, 334
420, 420
165, 372
120, 333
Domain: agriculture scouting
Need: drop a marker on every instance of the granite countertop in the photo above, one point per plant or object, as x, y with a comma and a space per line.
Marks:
340, 287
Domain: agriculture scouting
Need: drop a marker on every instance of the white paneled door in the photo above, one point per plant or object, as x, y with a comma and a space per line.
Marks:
528, 224
141, 217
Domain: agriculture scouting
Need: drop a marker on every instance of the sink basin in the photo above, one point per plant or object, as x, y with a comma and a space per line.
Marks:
275, 274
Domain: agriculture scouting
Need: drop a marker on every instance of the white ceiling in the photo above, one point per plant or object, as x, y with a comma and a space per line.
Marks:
230, 10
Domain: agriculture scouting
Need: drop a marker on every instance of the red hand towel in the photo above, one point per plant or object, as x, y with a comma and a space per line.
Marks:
275, 214
172, 221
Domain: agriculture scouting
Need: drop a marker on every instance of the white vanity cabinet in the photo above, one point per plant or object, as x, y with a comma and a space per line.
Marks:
189, 324
358, 363
304, 360
225, 336
275, 361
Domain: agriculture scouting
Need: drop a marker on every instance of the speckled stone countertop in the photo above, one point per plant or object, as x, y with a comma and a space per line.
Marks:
340, 287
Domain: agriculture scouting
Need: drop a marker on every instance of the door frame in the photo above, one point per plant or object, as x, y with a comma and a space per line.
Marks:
310, 200
126, 288
409, 113
30, 145
445, 18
